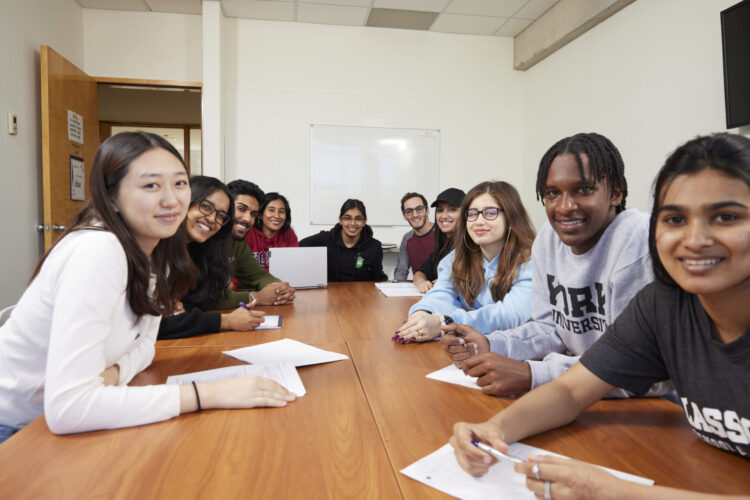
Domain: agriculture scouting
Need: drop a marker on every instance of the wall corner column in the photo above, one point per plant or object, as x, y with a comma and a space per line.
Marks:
212, 112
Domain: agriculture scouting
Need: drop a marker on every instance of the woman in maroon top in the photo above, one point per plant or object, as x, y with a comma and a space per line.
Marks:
272, 229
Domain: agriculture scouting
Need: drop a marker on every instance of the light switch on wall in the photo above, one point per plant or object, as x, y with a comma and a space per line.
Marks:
12, 124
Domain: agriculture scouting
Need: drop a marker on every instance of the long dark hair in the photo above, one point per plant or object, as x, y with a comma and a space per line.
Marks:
725, 153
442, 243
212, 256
468, 270
169, 262
264, 203
604, 158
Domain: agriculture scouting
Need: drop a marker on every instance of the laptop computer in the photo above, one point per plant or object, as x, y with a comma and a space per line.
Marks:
301, 267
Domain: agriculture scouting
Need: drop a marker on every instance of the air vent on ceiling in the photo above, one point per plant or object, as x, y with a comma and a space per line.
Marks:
403, 19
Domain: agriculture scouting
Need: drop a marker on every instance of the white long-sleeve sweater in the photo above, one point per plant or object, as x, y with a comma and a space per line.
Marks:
72, 322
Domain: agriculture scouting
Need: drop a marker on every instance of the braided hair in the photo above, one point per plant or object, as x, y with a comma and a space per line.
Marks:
604, 158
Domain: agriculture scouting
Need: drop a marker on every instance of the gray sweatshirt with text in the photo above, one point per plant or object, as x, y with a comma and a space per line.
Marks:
577, 296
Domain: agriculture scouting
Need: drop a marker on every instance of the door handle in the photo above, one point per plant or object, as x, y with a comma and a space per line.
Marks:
58, 229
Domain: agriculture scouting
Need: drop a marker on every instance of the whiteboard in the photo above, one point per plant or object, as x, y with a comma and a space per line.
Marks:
376, 165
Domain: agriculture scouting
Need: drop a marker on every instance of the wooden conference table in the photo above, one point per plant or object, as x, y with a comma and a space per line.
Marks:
362, 421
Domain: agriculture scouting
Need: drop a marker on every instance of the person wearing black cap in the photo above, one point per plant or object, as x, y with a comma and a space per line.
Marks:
447, 211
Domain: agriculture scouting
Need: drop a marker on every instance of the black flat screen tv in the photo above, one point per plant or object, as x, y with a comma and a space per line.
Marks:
735, 37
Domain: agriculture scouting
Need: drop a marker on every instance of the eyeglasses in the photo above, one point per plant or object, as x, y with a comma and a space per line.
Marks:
207, 208
358, 219
419, 210
489, 213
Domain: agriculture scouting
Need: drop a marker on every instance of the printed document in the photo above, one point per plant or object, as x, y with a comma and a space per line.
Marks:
441, 471
283, 373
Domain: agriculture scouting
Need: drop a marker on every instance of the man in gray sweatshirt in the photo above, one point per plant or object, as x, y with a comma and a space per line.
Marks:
588, 261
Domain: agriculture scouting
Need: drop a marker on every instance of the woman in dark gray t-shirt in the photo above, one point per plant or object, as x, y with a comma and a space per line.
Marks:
691, 325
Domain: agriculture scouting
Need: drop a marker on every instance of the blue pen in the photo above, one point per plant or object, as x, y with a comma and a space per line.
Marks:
498, 454
245, 306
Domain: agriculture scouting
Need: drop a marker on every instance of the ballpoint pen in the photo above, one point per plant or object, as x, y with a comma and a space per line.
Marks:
498, 454
461, 337
252, 299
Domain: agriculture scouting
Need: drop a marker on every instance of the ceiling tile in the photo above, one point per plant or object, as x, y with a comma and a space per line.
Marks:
496, 8
177, 6
423, 5
401, 19
513, 27
535, 8
351, 3
471, 25
114, 4
259, 9
332, 14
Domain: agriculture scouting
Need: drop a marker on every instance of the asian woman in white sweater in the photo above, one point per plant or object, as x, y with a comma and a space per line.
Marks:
87, 322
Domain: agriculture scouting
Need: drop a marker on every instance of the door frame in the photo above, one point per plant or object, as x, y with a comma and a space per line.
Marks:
106, 125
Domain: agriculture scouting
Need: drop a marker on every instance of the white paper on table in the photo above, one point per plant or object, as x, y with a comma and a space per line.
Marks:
404, 289
441, 471
270, 322
283, 373
454, 375
285, 350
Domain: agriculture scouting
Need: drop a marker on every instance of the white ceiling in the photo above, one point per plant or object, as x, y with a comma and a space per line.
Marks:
475, 17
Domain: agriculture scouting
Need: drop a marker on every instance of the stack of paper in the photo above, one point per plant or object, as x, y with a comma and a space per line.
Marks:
283, 373
275, 360
270, 322
402, 289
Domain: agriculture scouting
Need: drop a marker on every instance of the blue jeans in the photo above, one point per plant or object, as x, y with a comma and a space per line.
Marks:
6, 431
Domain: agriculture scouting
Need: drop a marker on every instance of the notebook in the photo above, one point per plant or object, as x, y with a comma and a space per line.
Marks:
301, 267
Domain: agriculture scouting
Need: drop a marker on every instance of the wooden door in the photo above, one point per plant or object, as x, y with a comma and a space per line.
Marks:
70, 137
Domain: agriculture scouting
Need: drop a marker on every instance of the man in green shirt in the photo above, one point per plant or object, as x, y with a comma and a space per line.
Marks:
248, 273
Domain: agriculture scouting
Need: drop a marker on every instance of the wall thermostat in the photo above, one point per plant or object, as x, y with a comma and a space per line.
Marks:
12, 124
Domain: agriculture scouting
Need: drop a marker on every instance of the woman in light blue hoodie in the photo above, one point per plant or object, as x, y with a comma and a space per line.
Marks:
486, 281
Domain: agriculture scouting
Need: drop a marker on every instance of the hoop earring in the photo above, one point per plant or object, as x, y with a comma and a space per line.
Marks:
468, 245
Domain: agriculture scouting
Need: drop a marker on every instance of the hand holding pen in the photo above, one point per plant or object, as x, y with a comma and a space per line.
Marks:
497, 454
252, 300
462, 342
244, 318
472, 458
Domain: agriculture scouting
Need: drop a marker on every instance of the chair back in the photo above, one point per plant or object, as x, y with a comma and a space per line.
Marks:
5, 314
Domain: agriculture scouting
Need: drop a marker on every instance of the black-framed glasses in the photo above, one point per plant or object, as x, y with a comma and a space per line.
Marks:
207, 208
489, 213
349, 219
419, 210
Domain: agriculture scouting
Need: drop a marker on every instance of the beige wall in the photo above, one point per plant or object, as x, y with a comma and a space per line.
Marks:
142, 45
282, 77
24, 26
649, 78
